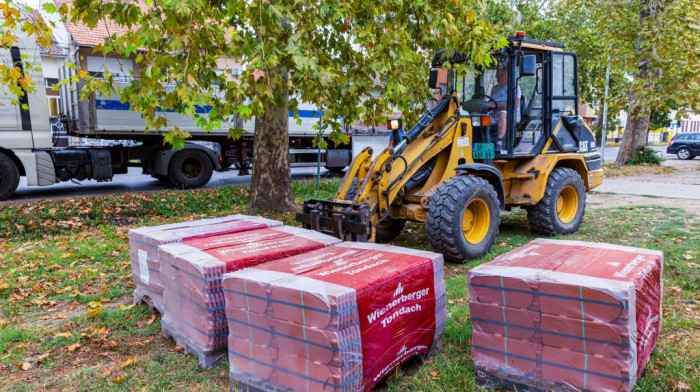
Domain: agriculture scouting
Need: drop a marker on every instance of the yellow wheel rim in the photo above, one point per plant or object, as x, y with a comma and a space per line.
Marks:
567, 204
476, 221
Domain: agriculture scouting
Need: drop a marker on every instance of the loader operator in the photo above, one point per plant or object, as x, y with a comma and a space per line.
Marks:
499, 93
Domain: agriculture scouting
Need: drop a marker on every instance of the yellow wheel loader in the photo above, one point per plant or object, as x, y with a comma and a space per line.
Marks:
499, 137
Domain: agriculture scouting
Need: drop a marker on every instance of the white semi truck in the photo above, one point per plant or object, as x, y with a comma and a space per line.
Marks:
26, 147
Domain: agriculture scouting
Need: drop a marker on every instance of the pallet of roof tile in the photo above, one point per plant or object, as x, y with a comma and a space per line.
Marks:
193, 298
595, 309
144, 242
319, 304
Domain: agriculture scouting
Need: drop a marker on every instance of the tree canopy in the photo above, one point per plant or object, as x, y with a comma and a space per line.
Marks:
355, 59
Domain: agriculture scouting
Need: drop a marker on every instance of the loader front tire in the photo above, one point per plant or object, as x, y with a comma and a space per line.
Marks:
463, 218
388, 229
561, 209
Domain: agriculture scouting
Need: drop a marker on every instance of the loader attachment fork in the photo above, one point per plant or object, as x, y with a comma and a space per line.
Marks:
342, 219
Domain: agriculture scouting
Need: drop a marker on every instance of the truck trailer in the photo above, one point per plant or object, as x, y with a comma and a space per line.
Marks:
26, 147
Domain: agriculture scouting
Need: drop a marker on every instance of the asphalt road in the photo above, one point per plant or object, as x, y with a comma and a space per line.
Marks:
134, 181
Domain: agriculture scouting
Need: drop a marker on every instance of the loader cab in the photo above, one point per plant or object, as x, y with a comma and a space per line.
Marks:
530, 95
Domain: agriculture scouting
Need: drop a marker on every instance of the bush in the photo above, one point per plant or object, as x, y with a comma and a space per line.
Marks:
645, 155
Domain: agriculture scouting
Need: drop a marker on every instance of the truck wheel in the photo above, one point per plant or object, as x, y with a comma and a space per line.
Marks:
463, 218
561, 209
190, 169
335, 169
9, 177
684, 154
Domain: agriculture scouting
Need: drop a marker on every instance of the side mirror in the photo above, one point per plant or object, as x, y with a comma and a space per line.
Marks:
528, 65
433, 79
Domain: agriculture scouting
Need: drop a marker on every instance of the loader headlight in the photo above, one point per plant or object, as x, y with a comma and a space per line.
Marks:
394, 124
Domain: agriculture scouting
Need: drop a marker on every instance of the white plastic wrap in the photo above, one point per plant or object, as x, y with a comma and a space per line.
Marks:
193, 313
566, 315
144, 242
336, 319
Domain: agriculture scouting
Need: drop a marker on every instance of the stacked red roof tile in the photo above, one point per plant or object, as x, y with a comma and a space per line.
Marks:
336, 319
563, 315
193, 311
144, 243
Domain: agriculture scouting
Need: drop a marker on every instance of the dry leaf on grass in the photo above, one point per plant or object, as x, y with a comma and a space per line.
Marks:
26, 366
62, 335
125, 307
73, 347
128, 362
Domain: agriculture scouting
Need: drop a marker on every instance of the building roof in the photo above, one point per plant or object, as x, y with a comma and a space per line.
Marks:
85, 36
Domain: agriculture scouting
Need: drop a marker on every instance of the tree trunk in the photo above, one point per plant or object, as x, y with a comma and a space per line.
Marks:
636, 132
271, 182
637, 127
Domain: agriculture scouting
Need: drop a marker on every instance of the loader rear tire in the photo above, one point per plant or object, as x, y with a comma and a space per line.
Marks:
561, 209
463, 218
9, 177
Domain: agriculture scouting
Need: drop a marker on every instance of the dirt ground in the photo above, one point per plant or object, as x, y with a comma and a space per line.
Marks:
607, 200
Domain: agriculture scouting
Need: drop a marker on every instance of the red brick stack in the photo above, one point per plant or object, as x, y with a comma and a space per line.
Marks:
336, 319
562, 315
193, 298
144, 242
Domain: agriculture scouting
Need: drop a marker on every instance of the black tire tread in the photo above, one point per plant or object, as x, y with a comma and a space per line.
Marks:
540, 216
10, 177
181, 155
445, 211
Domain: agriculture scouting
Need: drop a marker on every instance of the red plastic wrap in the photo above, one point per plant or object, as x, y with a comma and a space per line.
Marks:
144, 242
194, 310
592, 310
339, 319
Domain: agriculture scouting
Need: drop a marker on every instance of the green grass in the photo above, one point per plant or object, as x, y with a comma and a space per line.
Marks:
71, 256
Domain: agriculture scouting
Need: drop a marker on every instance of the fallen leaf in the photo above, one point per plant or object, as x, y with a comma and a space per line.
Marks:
125, 307
94, 312
59, 317
73, 347
681, 386
104, 300
43, 356
26, 366
94, 304
117, 380
692, 265
20, 346
107, 373
62, 335
151, 320
128, 362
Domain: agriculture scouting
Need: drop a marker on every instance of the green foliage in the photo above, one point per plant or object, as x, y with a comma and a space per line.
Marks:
356, 60
659, 119
645, 155
17, 21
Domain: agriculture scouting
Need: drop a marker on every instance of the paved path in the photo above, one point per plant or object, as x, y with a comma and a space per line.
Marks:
683, 183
